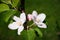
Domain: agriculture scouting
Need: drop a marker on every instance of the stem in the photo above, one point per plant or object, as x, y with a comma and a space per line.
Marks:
22, 6
22, 9
13, 6
28, 27
31, 25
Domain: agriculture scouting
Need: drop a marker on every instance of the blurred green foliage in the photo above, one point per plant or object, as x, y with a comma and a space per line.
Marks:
9, 8
3, 7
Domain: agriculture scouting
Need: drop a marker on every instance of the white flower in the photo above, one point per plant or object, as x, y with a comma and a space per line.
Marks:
18, 24
38, 19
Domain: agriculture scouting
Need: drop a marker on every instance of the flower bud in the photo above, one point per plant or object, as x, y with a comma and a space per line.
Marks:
29, 17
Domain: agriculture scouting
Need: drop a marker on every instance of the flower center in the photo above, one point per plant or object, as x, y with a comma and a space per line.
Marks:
19, 23
37, 20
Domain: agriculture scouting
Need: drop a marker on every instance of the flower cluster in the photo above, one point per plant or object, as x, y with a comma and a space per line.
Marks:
37, 19
19, 21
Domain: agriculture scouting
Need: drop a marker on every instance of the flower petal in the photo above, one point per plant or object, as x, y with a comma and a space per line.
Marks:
13, 26
34, 13
16, 18
23, 17
20, 29
42, 25
41, 17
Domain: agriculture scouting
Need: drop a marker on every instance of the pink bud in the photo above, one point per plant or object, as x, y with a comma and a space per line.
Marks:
29, 17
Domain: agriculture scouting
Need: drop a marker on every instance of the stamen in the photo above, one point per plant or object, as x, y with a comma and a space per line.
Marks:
19, 23
37, 20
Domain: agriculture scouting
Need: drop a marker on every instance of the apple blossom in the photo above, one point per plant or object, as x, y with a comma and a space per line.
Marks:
38, 19
18, 24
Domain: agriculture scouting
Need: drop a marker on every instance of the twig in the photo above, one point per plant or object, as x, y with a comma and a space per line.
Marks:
31, 25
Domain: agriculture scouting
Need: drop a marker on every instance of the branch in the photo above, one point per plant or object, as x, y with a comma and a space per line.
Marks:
22, 9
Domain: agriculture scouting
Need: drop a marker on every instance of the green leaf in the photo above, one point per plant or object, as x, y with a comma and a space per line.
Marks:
31, 34
6, 15
3, 7
23, 35
15, 3
6, 1
39, 32
28, 35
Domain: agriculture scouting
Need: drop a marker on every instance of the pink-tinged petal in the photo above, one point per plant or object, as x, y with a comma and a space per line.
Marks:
20, 29
29, 17
42, 25
41, 17
13, 26
16, 18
